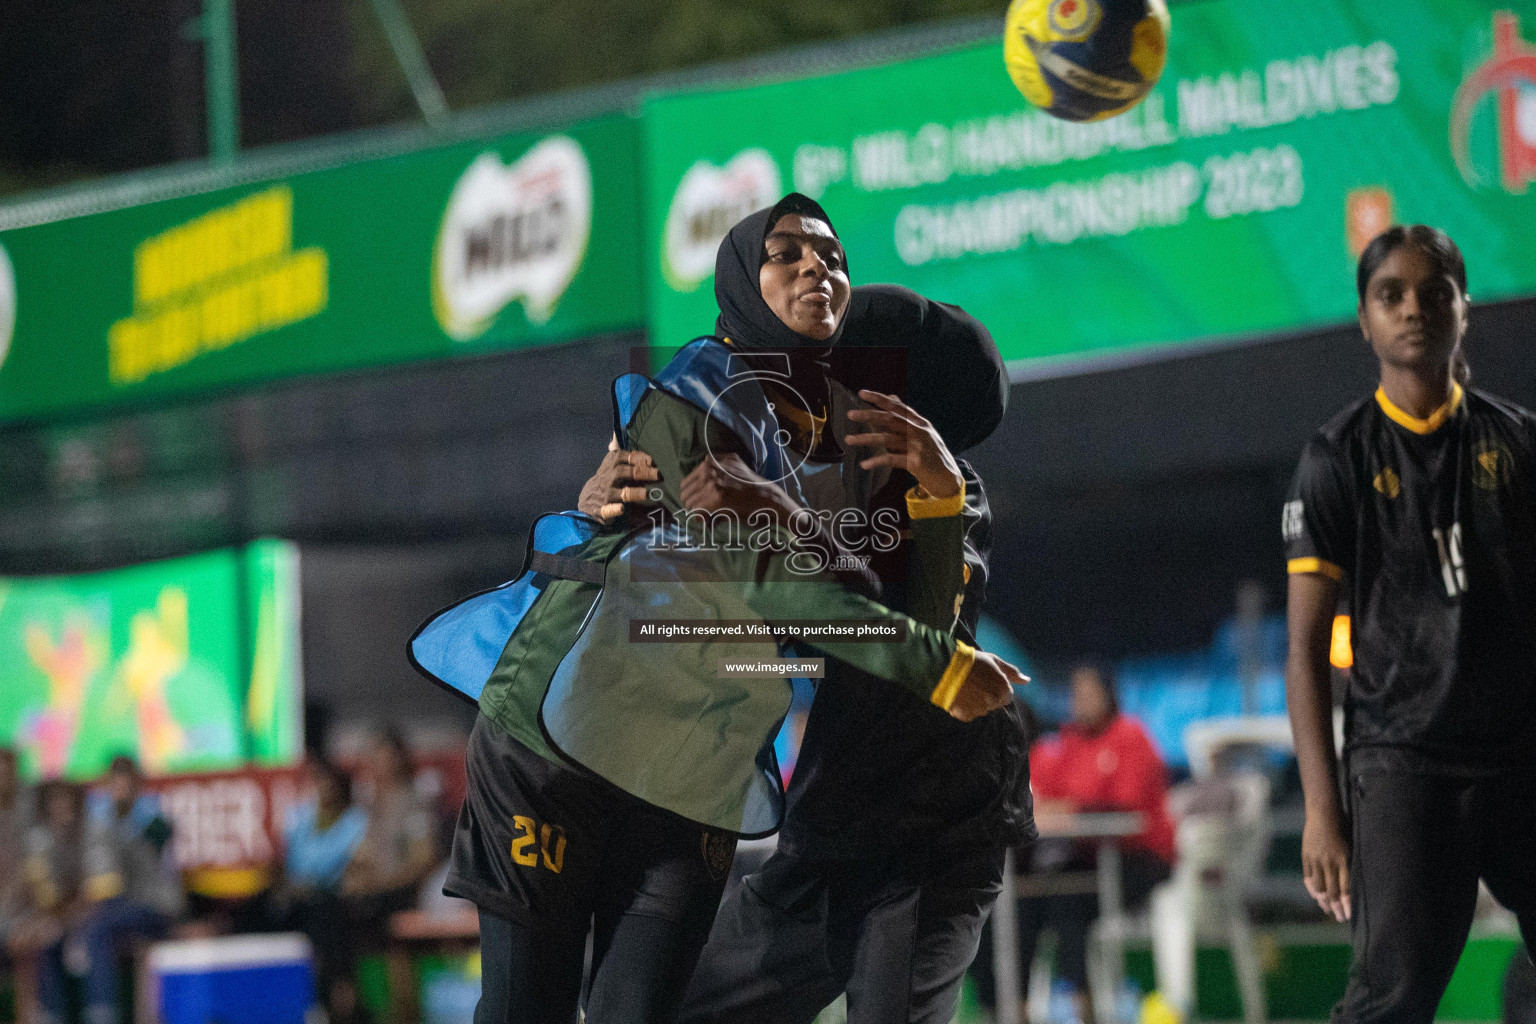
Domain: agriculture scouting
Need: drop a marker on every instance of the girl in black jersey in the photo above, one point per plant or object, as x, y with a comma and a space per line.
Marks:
1420, 502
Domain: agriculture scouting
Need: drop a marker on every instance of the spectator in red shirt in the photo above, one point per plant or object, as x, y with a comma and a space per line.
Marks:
1102, 760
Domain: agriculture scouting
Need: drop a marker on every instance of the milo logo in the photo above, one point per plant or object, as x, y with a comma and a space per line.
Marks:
708, 202
512, 233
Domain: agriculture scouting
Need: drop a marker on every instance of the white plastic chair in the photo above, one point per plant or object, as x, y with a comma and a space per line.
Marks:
1221, 852
1221, 859
1221, 863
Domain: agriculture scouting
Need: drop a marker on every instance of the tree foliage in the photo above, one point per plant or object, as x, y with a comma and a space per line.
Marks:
90, 87
488, 50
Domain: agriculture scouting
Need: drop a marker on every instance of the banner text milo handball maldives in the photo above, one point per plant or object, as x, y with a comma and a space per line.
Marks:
1231, 203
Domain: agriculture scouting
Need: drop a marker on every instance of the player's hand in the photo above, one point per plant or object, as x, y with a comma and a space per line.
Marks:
727, 482
1325, 864
908, 441
987, 687
621, 478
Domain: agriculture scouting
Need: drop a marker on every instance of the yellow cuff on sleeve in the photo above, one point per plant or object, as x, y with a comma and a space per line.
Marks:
954, 676
921, 506
103, 887
1317, 565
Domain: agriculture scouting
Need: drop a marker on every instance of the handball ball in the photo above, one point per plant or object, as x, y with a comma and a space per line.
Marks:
1085, 60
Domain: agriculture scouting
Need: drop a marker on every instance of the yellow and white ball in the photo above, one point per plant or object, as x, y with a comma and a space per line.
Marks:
1085, 60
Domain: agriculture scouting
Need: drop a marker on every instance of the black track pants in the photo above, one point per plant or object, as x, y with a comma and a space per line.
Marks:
1420, 844
640, 968
799, 932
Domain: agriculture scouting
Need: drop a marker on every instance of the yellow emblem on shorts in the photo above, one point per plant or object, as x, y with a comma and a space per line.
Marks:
1387, 483
1074, 20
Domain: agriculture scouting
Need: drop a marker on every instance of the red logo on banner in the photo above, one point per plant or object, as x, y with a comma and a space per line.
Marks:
1511, 74
228, 819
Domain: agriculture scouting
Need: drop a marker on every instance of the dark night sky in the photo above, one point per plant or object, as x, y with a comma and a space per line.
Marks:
93, 86
90, 87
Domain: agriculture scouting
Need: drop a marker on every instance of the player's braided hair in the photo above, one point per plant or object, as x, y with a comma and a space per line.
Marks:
1442, 252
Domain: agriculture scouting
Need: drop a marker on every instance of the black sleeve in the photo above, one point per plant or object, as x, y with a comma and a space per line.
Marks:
1318, 520
1523, 474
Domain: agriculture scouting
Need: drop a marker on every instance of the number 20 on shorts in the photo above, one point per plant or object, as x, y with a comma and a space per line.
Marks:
534, 840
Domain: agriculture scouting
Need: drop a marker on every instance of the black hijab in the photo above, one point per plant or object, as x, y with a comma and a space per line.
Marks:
952, 372
744, 315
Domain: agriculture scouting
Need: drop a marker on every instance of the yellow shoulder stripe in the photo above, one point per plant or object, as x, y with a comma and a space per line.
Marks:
921, 506
1317, 565
954, 676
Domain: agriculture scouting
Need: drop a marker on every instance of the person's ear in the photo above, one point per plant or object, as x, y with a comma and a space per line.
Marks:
1365, 329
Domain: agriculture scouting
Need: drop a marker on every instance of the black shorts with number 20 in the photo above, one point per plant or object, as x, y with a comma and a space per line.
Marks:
546, 846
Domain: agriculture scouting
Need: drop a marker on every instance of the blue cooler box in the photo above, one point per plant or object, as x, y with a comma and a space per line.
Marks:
238, 979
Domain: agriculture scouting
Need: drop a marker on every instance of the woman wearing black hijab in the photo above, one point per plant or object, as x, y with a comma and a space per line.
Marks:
643, 879
898, 819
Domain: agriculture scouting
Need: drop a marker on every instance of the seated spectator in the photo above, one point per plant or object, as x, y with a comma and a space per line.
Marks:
1102, 760
396, 855
399, 848
321, 837
323, 834
14, 822
50, 898
131, 886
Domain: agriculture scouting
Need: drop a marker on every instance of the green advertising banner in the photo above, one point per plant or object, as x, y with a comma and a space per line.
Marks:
190, 664
1231, 203
463, 249
273, 709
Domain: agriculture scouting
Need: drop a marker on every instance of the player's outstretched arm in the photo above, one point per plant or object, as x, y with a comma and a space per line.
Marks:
974, 683
940, 668
1324, 849
928, 662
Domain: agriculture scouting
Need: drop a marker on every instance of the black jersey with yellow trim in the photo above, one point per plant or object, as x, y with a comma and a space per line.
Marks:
1430, 524
879, 774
